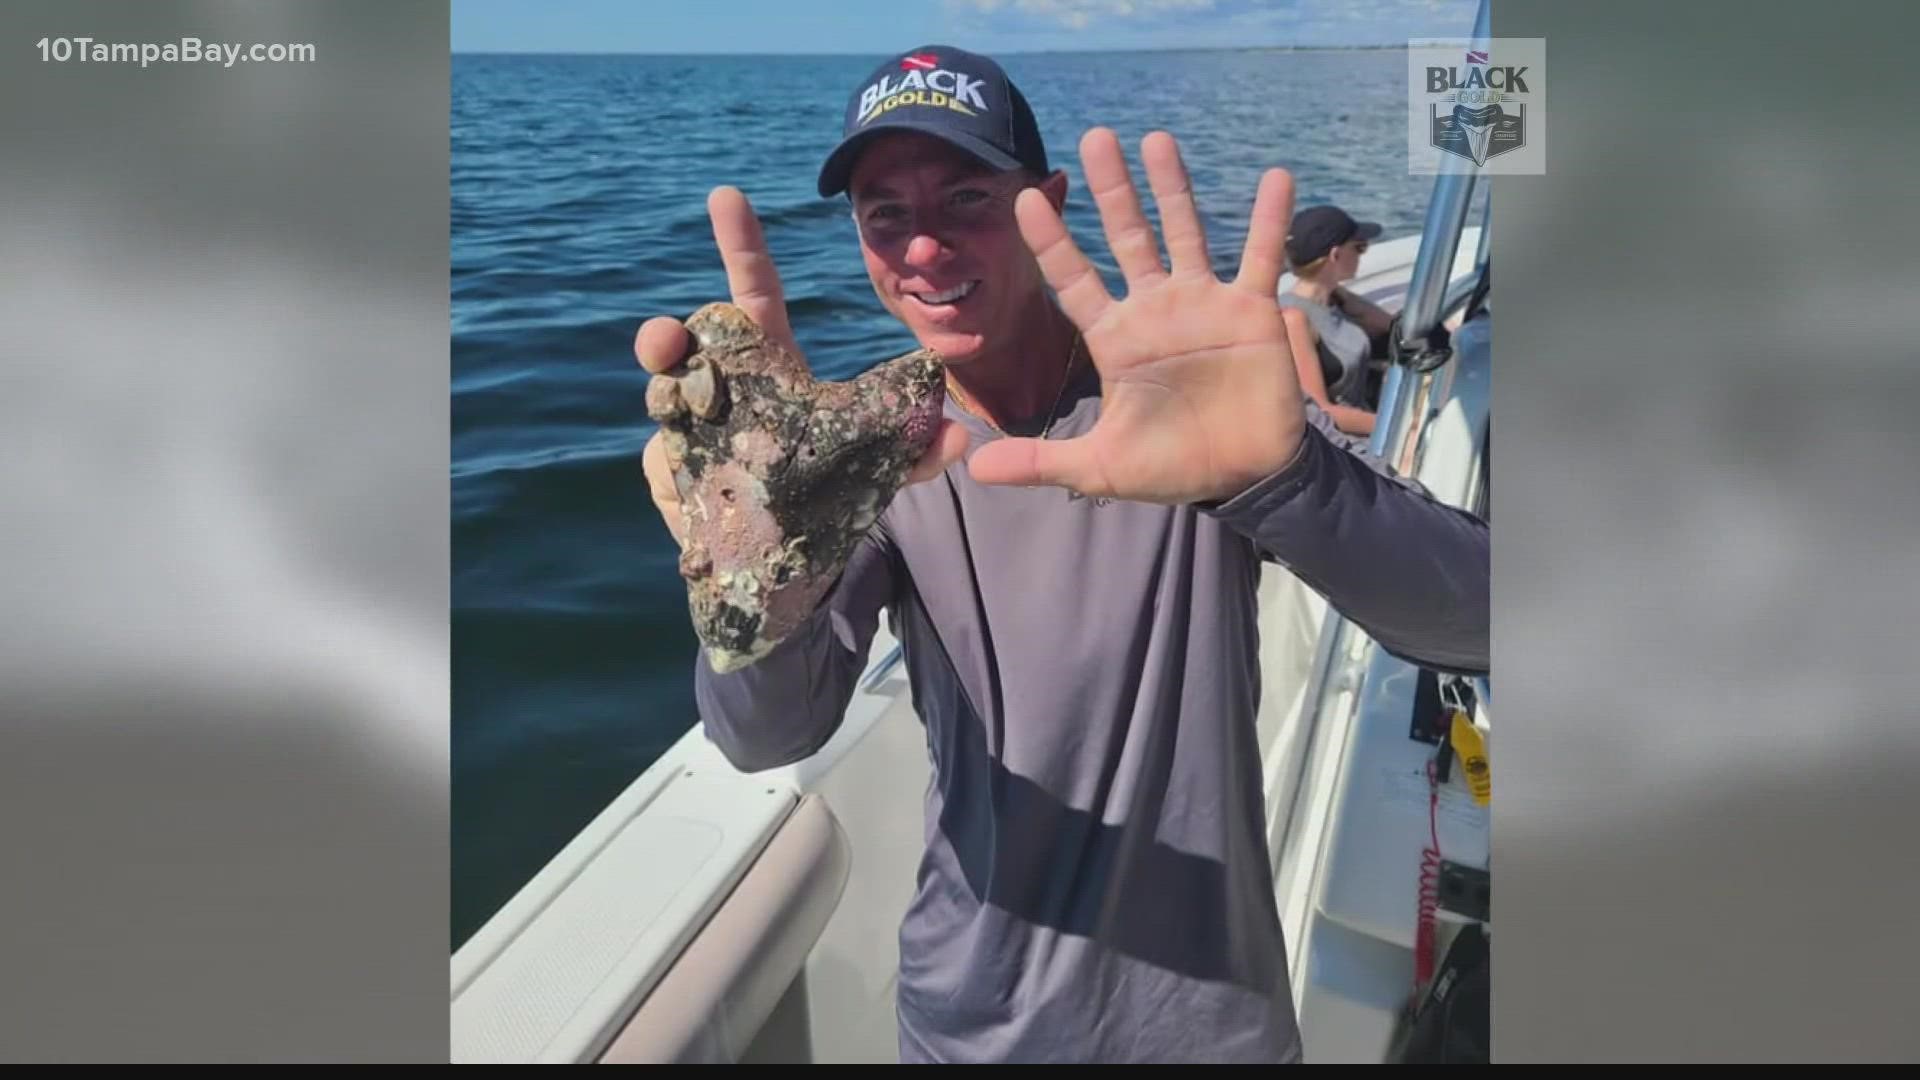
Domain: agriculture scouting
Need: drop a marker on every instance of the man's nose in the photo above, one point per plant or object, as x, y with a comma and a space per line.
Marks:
924, 250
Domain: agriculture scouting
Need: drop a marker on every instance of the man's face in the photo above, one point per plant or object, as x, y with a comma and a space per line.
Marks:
940, 241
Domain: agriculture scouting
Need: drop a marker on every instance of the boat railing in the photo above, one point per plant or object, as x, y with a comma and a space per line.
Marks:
1447, 211
1417, 346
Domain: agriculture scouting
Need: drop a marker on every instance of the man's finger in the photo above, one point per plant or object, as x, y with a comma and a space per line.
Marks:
1065, 463
662, 344
949, 446
1265, 256
751, 275
1131, 238
1173, 194
1083, 296
666, 498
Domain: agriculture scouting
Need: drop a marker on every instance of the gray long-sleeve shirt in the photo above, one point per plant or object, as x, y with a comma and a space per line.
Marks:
1096, 885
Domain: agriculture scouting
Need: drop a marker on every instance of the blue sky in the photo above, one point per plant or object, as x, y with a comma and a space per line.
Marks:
882, 26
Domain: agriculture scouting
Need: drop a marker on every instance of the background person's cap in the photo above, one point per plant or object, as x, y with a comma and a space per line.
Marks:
948, 93
1319, 229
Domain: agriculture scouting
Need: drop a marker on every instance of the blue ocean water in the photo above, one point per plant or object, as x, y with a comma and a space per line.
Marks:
578, 212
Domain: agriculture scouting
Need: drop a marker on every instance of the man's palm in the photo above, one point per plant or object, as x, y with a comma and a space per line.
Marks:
1200, 399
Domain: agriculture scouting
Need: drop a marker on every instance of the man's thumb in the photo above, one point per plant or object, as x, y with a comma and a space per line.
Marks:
1034, 462
949, 446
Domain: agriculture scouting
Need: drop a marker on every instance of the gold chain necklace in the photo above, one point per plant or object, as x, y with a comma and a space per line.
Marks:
1066, 379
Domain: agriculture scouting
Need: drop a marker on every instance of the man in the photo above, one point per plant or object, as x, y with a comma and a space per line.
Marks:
1073, 576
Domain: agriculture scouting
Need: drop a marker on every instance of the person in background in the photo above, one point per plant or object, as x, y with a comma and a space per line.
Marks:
1334, 334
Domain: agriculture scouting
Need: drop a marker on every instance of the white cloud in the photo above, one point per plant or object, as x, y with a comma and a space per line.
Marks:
1080, 14
1069, 23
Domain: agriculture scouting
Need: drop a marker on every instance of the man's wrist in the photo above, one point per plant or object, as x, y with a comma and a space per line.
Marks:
1284, 458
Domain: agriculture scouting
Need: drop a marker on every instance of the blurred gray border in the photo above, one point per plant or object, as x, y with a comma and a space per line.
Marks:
223, 563
1707, 548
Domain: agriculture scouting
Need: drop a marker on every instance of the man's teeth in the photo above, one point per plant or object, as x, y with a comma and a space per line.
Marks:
958, 292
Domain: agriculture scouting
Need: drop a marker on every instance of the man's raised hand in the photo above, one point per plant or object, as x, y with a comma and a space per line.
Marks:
1200, 396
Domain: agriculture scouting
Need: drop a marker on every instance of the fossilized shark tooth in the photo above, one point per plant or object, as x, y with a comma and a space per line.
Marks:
780, 474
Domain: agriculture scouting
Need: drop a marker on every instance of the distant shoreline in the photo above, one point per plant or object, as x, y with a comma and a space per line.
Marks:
1400, 47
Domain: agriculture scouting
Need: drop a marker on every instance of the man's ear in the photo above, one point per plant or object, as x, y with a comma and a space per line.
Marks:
1054, 187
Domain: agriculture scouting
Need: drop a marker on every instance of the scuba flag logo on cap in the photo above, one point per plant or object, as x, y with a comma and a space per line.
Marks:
948, 93
925, 84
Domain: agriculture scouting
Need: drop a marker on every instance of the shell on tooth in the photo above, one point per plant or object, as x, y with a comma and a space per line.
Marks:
703, 388
695, 562
664, 401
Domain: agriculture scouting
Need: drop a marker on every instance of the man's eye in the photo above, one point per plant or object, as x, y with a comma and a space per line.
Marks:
885, 213
969, 197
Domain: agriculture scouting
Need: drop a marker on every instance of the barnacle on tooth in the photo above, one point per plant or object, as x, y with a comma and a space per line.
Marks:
703, 388
663, 398
695, 562
781, 474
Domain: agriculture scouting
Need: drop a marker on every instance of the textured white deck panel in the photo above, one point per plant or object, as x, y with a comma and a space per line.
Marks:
562, 986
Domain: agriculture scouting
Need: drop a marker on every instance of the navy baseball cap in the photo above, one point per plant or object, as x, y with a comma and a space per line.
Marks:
945, 92
1319, 229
